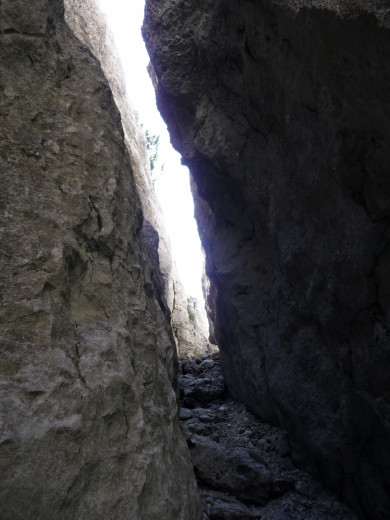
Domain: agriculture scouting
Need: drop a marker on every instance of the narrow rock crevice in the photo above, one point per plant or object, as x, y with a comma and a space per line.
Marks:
243, 466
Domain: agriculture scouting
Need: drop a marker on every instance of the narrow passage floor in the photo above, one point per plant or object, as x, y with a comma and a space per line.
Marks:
243, 466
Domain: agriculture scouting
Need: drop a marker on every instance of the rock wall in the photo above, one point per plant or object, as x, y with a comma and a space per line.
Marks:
88, 408
281, 111
89, 25
190, 325
189, 320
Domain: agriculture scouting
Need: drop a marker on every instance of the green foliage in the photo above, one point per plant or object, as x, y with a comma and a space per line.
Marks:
191, 313
152, 145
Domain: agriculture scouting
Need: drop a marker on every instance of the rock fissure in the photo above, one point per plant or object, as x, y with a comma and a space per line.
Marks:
282, 116
244, 466
76, 361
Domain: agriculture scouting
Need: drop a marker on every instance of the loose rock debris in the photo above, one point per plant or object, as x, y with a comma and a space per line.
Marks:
244, 467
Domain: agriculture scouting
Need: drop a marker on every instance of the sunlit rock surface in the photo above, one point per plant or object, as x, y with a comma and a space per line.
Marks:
88, 408
281, 111
90, 27
190, 325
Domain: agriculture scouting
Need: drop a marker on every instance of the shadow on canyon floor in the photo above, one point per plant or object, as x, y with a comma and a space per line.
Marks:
244, 467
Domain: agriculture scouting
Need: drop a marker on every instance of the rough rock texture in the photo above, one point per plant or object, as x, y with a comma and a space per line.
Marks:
89, 25
208, 294
188, 318
281, 110
88, 413
243, 466
190, 325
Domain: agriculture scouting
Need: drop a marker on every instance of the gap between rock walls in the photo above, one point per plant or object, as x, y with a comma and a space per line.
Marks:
282, 116
187, 314
243, 466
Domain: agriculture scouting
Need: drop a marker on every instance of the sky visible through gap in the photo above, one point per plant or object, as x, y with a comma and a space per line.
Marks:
172, 184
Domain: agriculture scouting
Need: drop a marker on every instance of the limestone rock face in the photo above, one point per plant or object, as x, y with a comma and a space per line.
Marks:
281, 111
189, 324
90, 27
88, 408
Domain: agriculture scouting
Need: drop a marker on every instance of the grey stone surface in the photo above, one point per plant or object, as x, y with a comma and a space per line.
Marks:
347, 9
281, 111
191, 336
88, 410
190, 324
201, 382
244, 466
235, 471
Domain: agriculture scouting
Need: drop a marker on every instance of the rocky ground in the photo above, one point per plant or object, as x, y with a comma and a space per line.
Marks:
243, 466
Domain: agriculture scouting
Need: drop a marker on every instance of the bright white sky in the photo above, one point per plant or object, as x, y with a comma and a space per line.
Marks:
172, 186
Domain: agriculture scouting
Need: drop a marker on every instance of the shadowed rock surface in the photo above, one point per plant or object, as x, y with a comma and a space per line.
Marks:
88, 408
243, 466
281, 111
